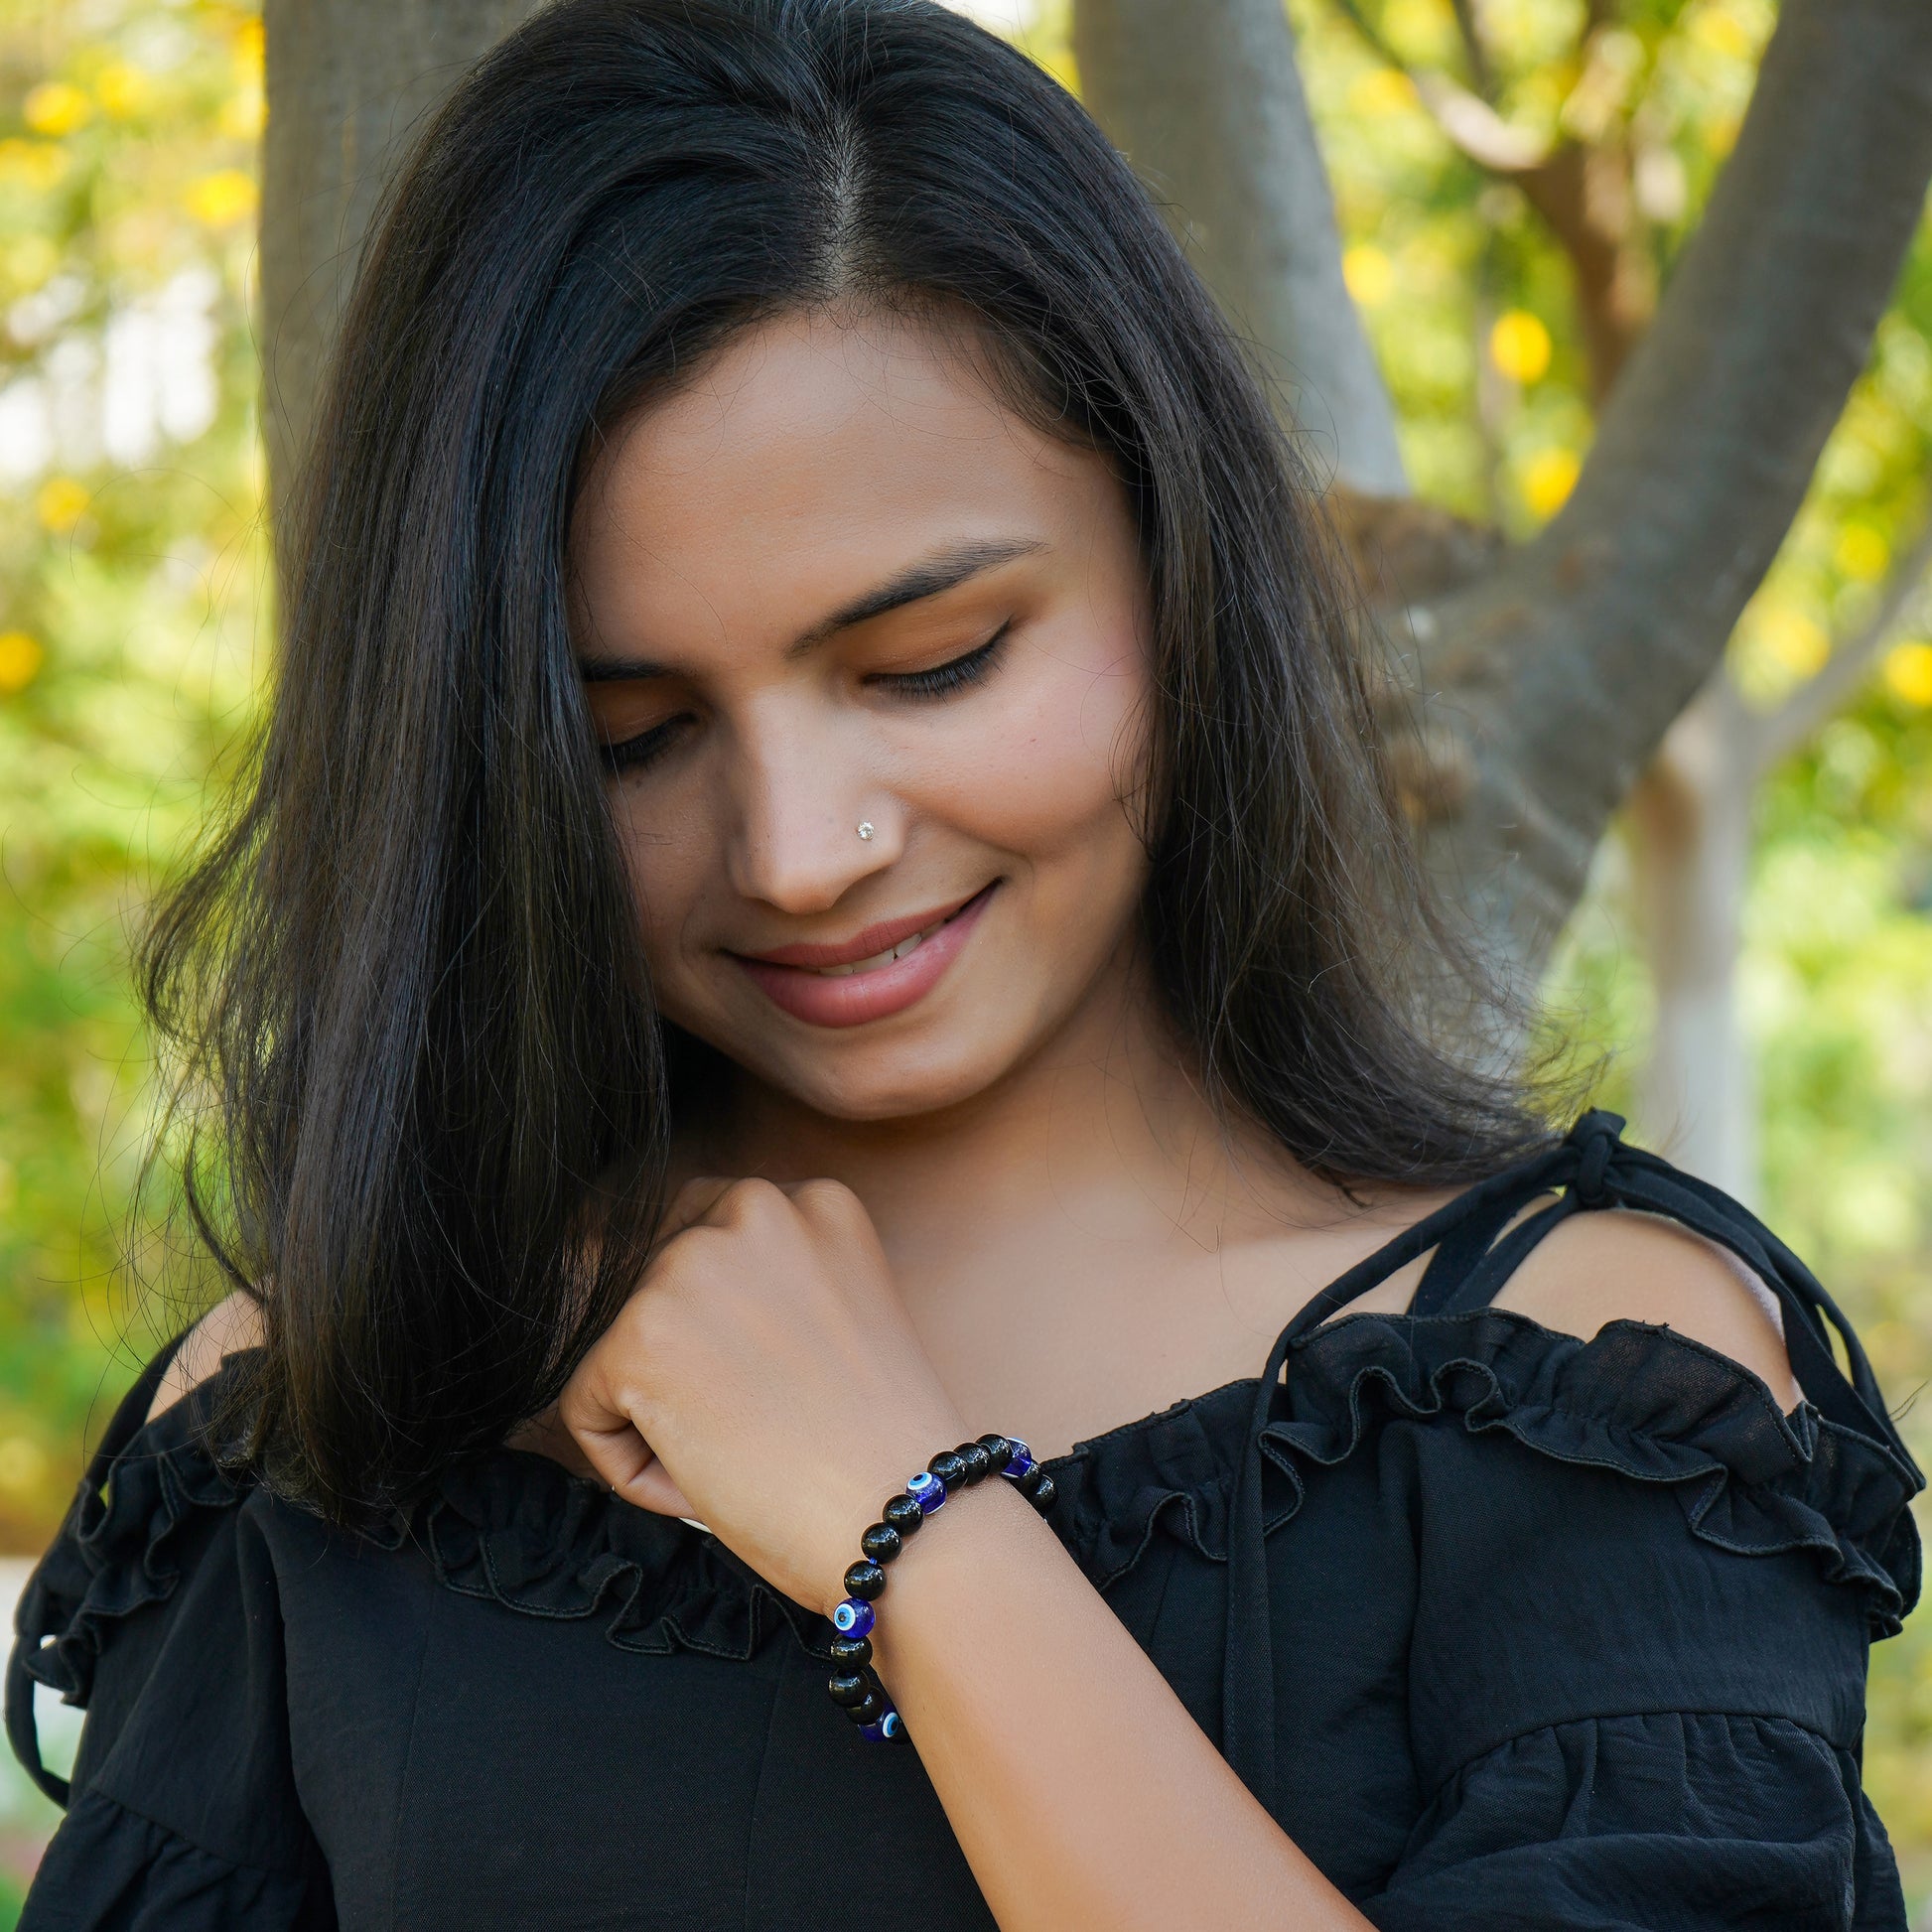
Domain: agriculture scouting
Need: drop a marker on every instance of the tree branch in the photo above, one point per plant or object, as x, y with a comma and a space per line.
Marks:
1567, 665
1775, 735
1207, 103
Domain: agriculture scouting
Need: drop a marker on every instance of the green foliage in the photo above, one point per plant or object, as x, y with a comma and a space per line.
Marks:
131, 569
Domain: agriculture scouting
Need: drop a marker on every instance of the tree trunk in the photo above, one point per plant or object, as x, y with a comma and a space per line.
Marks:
1690, 818
348, 82
1206, 101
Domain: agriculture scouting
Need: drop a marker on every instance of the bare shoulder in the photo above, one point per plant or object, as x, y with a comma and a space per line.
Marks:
1622, 1264
230, 1324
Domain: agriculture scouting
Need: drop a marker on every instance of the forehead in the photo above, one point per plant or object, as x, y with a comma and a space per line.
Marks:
808, 451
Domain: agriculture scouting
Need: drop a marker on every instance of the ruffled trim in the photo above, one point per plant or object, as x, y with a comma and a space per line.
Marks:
1645, 1401
521, 1531
116, 1551
513, 1528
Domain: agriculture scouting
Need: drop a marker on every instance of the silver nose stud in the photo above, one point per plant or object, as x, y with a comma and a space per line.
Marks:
865, 828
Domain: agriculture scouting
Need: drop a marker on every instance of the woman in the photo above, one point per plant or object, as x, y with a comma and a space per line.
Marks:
816, 888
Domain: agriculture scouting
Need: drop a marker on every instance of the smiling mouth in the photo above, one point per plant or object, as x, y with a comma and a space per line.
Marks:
889, 940
880, 970
876, 960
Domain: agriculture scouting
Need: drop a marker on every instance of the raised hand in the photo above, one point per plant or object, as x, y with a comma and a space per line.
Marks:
764, 1379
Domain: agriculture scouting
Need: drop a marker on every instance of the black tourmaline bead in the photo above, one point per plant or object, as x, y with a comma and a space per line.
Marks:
903, 1513
881, 1543
1041, 1493
948, 1467
868, 1712
976, 1459
850, 1690
864, 1580
850, 1652
999, 1449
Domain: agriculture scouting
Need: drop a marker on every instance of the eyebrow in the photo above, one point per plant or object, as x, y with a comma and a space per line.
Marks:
932, 576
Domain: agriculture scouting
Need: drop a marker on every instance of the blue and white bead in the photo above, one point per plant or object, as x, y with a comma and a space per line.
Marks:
1022, 1460
854, 1617
926, 1490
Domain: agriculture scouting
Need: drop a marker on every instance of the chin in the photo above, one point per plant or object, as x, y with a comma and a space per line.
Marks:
898, 1083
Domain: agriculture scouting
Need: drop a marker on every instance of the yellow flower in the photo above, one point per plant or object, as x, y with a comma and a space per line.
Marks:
1519, 346
1861, 553
21, 658
1548, 478
1908, 673
1382, 91
244, 113
1722, 33
122, 89
250, 44
1369, 273
61, 503
55, 109
1794, 642
224, 196
31, 164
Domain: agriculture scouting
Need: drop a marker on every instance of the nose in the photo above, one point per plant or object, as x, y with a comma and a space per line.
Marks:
810, 821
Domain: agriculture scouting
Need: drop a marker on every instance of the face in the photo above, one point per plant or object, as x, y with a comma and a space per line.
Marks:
867, 658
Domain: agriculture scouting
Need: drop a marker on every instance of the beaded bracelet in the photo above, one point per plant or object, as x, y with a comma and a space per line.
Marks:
856, 1689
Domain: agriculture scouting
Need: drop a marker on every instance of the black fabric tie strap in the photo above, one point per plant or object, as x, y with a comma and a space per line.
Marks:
1594, 1168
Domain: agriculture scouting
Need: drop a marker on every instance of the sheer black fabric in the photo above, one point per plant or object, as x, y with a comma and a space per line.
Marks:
1507, 1628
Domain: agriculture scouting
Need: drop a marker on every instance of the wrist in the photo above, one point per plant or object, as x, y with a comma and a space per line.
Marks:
856, 1686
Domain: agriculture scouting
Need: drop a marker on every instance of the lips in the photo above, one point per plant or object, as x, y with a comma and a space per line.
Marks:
880, 970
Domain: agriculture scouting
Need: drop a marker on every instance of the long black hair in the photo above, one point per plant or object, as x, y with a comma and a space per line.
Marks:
405, 981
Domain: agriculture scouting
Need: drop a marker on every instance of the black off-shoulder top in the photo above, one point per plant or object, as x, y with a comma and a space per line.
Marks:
1505, 1627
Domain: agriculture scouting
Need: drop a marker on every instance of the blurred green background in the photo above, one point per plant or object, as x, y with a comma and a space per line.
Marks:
135, 607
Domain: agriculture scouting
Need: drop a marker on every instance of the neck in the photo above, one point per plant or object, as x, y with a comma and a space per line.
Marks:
1106, 1124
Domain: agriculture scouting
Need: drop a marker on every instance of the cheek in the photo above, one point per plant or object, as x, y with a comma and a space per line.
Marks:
1045, 767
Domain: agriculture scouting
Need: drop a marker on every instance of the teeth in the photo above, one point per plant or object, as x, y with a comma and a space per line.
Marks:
879, 959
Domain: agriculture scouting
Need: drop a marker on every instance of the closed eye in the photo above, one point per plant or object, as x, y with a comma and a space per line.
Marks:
953, 675
634, 754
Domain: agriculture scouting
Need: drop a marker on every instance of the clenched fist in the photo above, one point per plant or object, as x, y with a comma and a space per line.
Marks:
764, 1379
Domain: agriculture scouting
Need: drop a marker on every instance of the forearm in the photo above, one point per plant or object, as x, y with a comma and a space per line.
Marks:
1084, 1796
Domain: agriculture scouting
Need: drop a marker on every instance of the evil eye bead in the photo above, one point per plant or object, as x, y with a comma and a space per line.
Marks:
854, 1617
1021, 1461
891, 1725
926, 1490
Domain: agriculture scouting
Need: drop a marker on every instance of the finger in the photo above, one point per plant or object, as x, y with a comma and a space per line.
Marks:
656, 1491
693, 1203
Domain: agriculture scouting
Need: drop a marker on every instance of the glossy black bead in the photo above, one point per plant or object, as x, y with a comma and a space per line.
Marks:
999, 1449
903, 1513
881, 1543
1042, 1493
864, 1580
976, 1459
1029, 1484
851, 1652
948, 1467
870, 1712
850, 1688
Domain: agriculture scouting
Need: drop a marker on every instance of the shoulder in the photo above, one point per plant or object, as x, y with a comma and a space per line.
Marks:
232, 1325
1621, 1264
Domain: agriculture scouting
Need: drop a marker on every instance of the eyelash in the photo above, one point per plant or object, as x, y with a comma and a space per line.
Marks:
953, 675
956, 674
